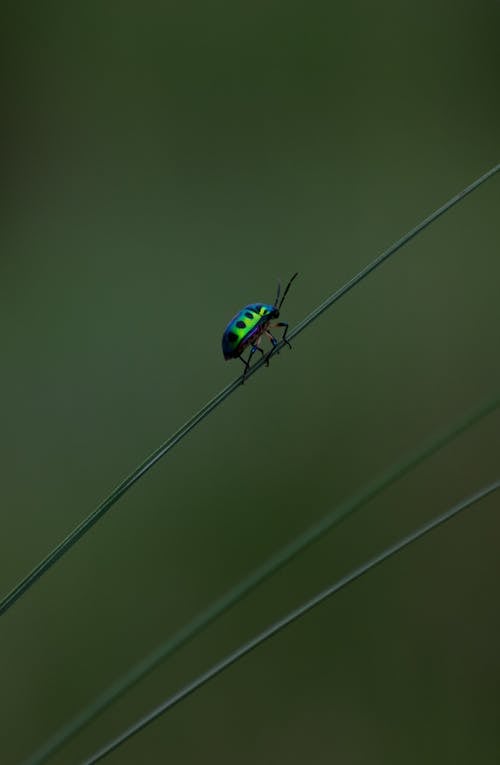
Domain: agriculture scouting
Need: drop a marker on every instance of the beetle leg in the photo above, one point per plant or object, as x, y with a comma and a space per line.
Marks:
246, 362
283, 336
247, 367
256, 347
272, 339
274, 344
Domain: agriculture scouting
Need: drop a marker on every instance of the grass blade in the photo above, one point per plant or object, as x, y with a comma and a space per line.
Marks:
255, 578
291, 617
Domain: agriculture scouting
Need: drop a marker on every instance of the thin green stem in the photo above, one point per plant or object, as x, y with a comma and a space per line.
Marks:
85, 526
248, 584
390, 251
291, 617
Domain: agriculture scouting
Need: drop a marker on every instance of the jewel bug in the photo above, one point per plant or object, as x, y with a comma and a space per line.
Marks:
250, 325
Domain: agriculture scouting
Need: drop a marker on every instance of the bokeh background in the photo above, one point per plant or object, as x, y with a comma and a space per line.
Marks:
164, 164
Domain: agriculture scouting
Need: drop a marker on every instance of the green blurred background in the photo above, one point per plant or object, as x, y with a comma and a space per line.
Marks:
164, 164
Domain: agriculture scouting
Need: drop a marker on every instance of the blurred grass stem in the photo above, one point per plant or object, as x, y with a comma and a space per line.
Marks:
291, 617
249, 583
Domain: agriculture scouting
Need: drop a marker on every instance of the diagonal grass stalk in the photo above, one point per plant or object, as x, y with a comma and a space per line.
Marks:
78, 532
285, 621
255, 578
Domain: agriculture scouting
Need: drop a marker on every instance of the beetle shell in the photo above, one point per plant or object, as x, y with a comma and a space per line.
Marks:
245, 328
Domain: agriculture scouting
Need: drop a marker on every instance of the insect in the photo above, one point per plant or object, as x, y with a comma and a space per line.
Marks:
250, 325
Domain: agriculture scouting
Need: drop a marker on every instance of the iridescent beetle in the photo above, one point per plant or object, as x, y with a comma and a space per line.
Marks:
249, 326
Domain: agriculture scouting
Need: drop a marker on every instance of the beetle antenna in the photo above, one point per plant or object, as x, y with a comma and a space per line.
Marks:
285, 292
277, 295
